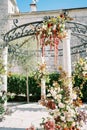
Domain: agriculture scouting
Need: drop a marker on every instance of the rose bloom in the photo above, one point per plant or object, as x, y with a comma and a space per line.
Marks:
51, 104
49, 125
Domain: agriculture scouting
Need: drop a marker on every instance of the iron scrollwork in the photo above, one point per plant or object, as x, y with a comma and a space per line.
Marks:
21, 31
77, 28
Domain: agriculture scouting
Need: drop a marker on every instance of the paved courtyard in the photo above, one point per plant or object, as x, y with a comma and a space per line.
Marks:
23, 115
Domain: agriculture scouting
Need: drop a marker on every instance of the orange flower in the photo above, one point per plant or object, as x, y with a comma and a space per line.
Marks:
85, 75
60, 68
58, 126
31, 128
50, 24
65, 128
62, 16
42, 67
49, 125
51, 104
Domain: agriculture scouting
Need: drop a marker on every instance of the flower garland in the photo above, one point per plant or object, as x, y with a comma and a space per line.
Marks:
52, 32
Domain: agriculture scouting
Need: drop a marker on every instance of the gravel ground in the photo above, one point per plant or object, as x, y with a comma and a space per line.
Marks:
23, 115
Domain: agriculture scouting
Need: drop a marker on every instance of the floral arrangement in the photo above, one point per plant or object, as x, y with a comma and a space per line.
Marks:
41, 72
80, 78
51, 32
63, 114
81, 68
53, 27
3, 94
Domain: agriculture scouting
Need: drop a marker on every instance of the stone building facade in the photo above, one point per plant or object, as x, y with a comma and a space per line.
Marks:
7, 7
9, 12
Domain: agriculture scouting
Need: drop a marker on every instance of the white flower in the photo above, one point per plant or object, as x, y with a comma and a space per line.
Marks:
56, 112
1, 94
53, 93
44, 26
81, 123
69, 119
54, 27
59, 96
63, 118
73, 124
58, 89
85, 67
61, 105
74, 96
49, 95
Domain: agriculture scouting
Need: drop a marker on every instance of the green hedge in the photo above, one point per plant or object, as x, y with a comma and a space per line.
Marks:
17, 85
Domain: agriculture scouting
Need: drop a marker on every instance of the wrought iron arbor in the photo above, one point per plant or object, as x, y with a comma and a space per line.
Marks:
78, 30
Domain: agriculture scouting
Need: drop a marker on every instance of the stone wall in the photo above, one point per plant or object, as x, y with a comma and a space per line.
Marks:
3, 16
5, 11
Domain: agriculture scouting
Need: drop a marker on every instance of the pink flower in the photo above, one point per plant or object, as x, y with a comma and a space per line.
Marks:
49, 125
31, 128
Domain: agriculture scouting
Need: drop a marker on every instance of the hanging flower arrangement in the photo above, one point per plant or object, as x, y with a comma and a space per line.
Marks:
51, 32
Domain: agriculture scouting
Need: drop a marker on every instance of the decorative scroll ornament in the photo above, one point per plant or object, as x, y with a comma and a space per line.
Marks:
51, 32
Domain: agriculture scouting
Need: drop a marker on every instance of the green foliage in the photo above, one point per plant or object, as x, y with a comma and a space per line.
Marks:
84, 91
14, 84
1, 109
35, 89
53, 77
23, 55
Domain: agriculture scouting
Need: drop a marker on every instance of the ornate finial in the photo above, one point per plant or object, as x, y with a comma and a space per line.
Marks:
34, 1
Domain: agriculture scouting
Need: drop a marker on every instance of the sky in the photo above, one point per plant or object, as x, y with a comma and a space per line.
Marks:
44, 5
